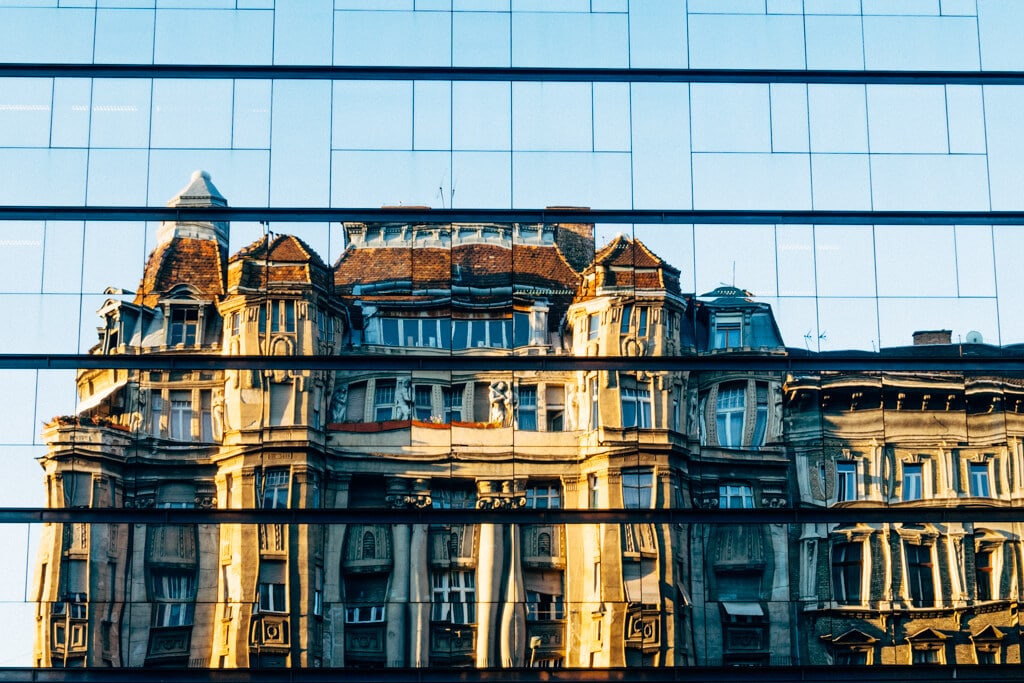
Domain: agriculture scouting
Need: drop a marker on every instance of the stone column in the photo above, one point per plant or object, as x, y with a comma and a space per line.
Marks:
420, 593
419, 597
513, 615
488, 577
398, 595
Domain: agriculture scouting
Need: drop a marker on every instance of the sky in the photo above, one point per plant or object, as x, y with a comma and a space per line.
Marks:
135, 142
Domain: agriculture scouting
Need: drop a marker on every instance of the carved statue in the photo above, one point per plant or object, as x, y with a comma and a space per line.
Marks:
692, 423
500, 397
339, 403
219, 415
140, 410
403, 399
776, 428
571, 408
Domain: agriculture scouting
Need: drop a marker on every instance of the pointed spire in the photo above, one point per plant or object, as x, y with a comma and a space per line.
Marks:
200, 192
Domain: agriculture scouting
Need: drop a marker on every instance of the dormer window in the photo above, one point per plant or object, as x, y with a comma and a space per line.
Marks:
728, 332
184, 326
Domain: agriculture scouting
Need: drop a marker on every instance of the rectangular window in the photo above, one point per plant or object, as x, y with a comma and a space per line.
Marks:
912, 481
174, 594
156, 409
637, 485
543, 497
760, 415
364, 614
738, 585
521, 328
454, 596
272, 597
383, 401
594, 407
453, 499
847, 566
979, 482
179, 425
235, 324
932, 655
526, 412
636, 408
641, 321
983, 574
729, 414
847, 657
77, 489
184, 325
423, 402
728, 333
625, 321
846, 481
594, 489
920, 576
206, 415
544, 606
593, 326
555, 408
275, 488
282, 316
734, 496
452, 397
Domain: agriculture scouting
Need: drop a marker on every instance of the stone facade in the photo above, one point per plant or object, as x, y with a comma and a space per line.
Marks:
502, 594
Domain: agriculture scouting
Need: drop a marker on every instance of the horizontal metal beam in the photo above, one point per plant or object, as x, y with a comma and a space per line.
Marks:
507, 74
549, 215
898, 514
440, 674
968, 358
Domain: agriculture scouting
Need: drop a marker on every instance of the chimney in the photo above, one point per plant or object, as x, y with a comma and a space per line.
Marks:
932, 337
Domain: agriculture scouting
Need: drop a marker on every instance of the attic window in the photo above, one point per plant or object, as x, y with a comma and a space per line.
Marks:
728, 332
184, 326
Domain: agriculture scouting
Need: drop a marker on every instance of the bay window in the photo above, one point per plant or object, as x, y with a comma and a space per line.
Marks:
637, 486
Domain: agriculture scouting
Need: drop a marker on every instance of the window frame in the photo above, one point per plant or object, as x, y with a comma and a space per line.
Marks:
979, 480
446, 584
911, 481
730, 407
846, 481
727, 493
847, 572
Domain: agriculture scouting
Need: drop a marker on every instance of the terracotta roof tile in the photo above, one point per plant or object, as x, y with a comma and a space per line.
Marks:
290, 261
182, 260
626, 263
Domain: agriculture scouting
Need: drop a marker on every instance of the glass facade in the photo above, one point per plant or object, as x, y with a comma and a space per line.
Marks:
412, 268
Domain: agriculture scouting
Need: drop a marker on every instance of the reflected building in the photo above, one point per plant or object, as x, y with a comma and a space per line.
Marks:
500, 594
909, 593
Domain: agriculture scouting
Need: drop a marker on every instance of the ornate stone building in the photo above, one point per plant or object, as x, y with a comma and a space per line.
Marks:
501, 594
909, 593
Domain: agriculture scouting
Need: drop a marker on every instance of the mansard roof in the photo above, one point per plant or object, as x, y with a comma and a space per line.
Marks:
283, 260
182, 260
470, 272
626, 263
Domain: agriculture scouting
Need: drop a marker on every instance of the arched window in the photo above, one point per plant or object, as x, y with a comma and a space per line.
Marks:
369, 545
544, 543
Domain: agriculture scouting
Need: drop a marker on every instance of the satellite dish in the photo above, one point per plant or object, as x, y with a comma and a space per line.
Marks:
974, 337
